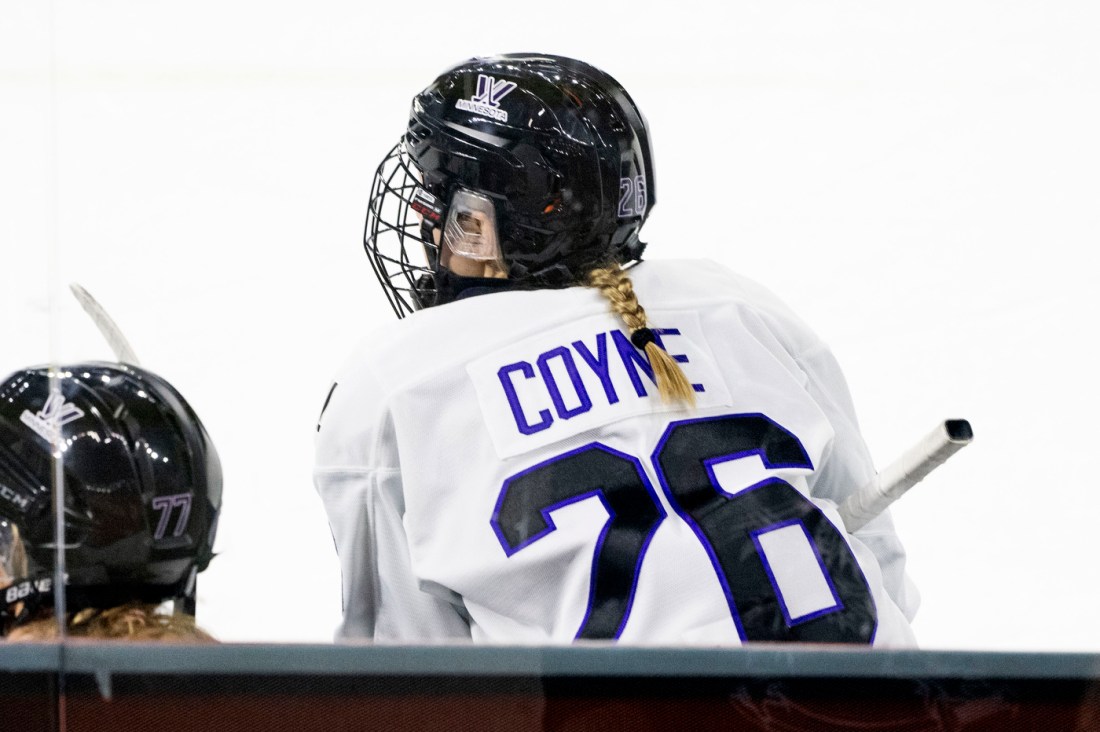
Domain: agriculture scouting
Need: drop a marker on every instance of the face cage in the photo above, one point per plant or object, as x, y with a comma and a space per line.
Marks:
400, 255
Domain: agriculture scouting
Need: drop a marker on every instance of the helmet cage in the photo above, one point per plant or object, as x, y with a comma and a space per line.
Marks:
401, 215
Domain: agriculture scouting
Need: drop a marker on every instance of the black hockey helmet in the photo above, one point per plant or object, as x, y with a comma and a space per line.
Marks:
142, 484
557, 146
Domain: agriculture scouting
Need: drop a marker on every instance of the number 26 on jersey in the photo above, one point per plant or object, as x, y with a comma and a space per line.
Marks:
786, 571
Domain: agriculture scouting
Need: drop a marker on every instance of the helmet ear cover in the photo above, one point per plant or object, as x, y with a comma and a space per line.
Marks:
24, 501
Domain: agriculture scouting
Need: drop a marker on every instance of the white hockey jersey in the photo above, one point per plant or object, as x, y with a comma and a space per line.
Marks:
501, 468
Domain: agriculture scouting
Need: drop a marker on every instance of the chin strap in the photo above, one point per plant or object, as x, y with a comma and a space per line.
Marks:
186, 603
451, 287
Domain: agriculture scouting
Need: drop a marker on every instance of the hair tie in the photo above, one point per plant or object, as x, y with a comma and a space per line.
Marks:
642, 337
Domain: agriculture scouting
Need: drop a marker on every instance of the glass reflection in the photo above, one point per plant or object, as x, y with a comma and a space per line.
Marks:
932, 214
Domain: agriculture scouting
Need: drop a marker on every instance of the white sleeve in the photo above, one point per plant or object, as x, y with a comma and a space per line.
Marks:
381, 596
848, 466
358, 477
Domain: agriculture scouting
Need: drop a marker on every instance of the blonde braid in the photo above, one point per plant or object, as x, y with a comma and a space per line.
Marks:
614, 284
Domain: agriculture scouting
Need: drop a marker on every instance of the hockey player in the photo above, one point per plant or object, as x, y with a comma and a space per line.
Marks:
141, 496
532, 457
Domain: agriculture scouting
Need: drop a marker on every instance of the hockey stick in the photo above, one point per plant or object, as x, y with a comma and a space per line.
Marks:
912, 467
110, 330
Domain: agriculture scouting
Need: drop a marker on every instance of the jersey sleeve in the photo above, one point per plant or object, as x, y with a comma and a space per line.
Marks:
359, 482
382, 599
848, 466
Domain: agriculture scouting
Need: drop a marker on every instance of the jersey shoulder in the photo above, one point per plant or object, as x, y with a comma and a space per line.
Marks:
353, 409
713, 288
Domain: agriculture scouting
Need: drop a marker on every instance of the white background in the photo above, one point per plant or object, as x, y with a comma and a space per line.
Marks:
918, 180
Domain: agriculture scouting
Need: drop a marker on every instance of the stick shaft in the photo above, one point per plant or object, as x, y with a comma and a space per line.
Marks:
106, 325
899, 476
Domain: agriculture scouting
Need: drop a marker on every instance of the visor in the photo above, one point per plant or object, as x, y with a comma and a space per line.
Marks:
13, 559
